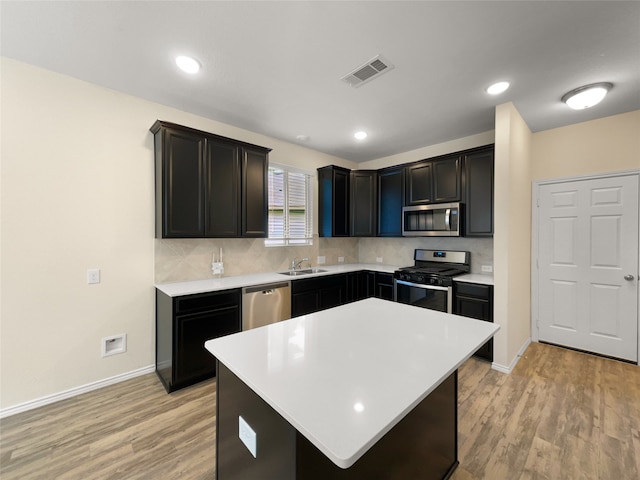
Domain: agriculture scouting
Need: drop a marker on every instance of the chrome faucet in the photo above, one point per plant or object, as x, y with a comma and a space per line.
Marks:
295, 263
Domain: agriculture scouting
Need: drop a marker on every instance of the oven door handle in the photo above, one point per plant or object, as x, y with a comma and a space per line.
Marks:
421, 285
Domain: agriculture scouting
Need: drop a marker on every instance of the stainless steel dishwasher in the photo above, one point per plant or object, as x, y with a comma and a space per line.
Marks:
265, 304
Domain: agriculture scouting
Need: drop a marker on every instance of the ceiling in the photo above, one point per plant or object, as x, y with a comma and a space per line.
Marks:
275, 67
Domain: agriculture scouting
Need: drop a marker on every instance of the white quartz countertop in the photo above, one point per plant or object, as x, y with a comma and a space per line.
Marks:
238, 281
344, 377
475, 278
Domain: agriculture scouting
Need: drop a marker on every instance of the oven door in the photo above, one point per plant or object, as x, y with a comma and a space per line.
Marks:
426, 296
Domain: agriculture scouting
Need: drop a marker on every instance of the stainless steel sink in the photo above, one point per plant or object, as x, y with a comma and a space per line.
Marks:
305, 271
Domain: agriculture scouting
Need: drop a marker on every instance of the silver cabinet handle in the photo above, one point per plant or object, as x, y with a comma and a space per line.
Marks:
629, 278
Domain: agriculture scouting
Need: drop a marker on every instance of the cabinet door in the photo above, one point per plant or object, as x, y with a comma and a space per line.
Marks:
475, 301
181, 159
193, 361
473, 308
304, 303
332, 296
419, 181
479, 180
360, 285
363, 203
333, 202
255, 202
223, 189
384, 285
390, 202
446, 180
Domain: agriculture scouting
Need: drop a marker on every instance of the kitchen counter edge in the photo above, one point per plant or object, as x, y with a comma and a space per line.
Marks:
177, 289
475, 278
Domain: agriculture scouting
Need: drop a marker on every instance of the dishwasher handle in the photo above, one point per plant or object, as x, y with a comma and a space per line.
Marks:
269, 289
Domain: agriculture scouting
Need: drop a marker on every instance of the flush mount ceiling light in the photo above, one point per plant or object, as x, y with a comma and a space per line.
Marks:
497, 88
360, 135
188, 64
587, 96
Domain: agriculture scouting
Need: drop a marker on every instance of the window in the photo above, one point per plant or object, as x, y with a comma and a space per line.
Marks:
290, 207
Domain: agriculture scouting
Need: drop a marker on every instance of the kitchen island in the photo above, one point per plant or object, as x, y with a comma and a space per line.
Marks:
364, 390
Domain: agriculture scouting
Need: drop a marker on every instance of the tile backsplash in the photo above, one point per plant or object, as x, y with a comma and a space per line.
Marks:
179, 260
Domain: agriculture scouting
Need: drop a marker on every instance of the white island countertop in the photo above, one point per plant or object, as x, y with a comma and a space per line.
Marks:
345, 376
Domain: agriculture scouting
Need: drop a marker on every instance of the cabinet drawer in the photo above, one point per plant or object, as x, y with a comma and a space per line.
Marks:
473, 290
319, 283
207, 301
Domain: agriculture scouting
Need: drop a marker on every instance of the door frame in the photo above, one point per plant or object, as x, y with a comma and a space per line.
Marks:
535, 225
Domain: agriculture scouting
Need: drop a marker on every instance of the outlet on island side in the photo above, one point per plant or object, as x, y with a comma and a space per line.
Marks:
247, 436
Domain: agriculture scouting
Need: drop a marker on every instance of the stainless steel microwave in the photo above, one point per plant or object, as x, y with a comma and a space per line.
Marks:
438, 220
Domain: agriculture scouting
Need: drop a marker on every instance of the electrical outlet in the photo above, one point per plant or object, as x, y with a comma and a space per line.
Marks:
322, 260
114, 344
247, 436
340, 259
487, 268
379, 259
217, 268
93, 275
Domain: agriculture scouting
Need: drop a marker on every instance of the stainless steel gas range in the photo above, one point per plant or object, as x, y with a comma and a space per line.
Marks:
429, 282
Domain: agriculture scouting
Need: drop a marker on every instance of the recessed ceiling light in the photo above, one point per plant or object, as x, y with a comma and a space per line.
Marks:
302, 138
188, 64
360, 135
497, 88
587, 96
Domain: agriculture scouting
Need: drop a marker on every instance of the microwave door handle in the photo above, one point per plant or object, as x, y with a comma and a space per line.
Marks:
447, 219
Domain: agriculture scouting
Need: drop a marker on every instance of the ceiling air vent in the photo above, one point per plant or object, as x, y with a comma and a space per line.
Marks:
367, 72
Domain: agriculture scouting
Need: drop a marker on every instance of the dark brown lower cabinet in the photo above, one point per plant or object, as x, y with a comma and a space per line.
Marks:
474, 300
314, 294
183, 325
384, 285
360, 285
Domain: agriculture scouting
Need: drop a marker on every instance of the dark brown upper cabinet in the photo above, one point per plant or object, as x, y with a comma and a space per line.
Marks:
208, 185
435, 180
333, 201
363, 203
390, 201
479, 182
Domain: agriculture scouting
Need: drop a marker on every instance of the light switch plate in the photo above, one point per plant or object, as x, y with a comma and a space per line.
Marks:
340, 259
93, 276
247, 436
487, 268
379, 259
321, 260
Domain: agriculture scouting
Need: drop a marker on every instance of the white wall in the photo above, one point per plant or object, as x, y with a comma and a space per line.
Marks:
430, 151
512, 236
604, 145
77, 193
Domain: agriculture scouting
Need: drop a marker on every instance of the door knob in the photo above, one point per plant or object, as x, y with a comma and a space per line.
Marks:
628, 278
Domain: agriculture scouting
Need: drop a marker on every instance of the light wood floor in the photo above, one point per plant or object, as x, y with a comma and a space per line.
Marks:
559, 415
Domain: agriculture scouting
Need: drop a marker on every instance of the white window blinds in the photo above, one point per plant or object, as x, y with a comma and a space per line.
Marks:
290, 207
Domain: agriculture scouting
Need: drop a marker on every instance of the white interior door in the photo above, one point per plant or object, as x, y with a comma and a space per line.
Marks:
588, 265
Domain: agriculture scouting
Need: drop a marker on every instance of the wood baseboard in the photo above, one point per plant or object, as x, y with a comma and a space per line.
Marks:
56, 397
509, 368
